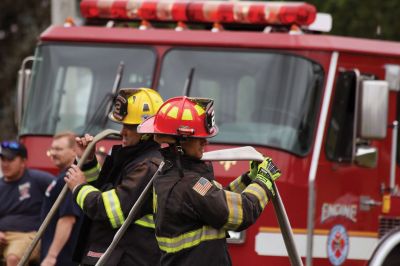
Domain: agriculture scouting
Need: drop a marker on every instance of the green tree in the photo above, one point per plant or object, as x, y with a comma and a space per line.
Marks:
365, 19
21, 22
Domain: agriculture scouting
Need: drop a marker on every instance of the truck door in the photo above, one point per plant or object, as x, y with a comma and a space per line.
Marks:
349, 179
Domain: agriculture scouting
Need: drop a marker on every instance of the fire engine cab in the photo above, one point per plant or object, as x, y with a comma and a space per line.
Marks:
325, 108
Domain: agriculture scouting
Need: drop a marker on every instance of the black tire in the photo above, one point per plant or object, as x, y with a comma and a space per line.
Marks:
393, 259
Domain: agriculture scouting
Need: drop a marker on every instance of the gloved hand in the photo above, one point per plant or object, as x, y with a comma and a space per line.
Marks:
253, 169
268, 173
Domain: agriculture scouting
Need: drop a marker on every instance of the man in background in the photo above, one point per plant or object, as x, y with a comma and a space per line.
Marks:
59, 238
21, 195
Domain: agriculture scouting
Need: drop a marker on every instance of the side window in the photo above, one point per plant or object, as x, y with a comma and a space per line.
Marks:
341, 124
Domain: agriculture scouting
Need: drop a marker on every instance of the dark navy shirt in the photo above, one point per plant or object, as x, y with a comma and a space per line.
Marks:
21, 201
67, 208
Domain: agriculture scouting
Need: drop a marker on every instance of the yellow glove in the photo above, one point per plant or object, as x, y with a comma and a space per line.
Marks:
253, 169
268, 173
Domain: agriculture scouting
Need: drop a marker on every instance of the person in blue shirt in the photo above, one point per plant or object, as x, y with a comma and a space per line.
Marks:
60, 236
21, 195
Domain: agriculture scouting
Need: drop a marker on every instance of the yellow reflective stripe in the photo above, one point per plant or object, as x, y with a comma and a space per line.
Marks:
218, 185
173, 112
83, 192
113, 208
256, 190
237, 185
199, 109
189, 239
154, 201
235, 208
93, 173
146, 221
165, 107
187, 115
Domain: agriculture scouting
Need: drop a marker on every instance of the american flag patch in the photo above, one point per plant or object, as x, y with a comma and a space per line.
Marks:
202, 186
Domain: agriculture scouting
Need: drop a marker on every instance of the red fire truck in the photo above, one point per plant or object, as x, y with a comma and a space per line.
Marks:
325, 108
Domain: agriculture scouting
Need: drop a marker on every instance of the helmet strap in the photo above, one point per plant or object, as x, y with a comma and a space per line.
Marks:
178, 151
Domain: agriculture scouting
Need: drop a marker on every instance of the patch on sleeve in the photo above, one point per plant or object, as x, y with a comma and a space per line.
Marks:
202, 186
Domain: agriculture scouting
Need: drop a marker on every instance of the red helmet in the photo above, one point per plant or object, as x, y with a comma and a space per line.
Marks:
183, 116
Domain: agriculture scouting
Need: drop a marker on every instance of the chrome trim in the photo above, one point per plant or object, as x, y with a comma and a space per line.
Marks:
393, 156
316, 154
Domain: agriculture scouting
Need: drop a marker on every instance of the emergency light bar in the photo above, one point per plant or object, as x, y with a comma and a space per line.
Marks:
242, 12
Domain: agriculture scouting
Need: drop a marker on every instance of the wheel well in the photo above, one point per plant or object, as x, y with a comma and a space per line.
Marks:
387, 252
393, 258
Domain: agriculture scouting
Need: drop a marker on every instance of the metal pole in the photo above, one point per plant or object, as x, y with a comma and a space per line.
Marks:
315, 157
61, 196
393, 156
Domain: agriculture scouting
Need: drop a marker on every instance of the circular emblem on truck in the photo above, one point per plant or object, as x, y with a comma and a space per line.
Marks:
338, 245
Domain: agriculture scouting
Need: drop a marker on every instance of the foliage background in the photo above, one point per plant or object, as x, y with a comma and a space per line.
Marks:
373, 19
21, 22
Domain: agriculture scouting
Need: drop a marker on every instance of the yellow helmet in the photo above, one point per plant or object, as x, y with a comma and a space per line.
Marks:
133, 106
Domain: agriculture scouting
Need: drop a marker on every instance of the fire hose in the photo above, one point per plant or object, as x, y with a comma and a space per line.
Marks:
61, 196
236, 154
248, 153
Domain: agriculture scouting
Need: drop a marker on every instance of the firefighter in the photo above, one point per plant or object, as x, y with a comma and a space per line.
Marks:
192, 211
107, 196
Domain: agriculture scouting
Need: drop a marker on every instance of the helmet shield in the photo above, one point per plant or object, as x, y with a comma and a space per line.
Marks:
120, 108
210, 118
133, 106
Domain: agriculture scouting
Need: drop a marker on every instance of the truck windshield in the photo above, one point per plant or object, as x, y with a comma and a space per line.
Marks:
263, 98
72, 85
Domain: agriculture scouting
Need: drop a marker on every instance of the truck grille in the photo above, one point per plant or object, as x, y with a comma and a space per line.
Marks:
386, 224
